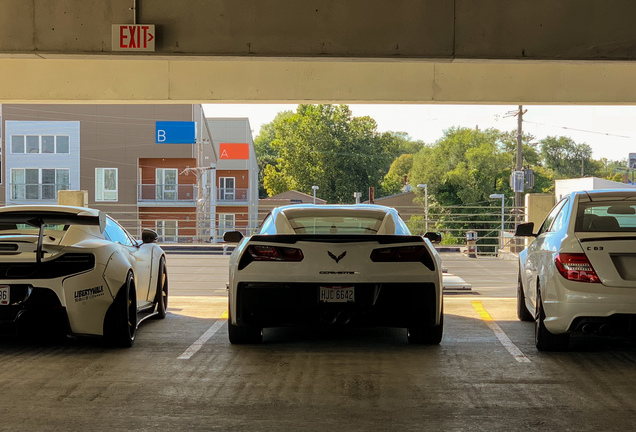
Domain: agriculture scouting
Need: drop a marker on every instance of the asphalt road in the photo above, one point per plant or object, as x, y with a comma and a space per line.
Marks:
183, 375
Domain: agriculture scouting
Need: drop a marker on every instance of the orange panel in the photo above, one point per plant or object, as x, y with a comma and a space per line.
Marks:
234, 151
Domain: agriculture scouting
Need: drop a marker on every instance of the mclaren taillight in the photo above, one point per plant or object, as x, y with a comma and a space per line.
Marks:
576, 267
402, 253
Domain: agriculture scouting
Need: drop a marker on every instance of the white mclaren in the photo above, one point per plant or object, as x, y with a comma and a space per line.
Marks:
335, 265
75, 271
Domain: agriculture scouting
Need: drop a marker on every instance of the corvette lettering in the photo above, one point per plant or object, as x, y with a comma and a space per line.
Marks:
89, 293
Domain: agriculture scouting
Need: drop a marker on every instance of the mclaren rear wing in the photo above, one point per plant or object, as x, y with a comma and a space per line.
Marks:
40, 218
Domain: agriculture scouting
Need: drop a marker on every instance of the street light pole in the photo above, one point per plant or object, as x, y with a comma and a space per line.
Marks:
503, 198
315, 188
425, 186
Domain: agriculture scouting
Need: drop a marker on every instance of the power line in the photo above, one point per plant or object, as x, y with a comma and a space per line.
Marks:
578, 130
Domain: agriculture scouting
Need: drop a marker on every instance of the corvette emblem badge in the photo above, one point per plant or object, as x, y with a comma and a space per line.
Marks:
335, 258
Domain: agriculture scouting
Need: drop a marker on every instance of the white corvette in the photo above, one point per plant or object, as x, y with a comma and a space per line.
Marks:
78, 272
578, 274
335, 265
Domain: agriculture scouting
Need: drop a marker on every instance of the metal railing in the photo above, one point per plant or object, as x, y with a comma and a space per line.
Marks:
451, 222
162, 192
233, 195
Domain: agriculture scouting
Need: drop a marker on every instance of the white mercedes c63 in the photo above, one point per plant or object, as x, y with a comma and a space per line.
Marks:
578, 274
335, 265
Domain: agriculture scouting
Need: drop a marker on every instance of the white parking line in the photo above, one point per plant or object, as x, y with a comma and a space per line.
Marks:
503, 338
196, 346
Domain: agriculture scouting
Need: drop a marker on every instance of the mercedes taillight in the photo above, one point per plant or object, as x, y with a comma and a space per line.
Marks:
576, 267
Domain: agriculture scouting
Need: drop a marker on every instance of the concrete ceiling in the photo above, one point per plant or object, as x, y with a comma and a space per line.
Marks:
358, 51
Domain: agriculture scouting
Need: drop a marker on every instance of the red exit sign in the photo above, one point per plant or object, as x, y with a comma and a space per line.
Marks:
133, 37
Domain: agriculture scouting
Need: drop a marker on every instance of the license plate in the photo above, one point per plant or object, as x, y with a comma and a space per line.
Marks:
4, 295
336, 294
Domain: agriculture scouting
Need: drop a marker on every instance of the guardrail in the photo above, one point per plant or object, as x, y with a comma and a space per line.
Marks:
451, 222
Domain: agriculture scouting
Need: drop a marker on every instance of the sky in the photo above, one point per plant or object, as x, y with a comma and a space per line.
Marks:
609, 130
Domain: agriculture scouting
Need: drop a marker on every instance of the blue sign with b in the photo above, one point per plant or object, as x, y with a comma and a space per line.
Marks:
175, 132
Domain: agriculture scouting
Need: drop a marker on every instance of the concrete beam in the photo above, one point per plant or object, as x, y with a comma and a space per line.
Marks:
403, 51
99, 80
431, 29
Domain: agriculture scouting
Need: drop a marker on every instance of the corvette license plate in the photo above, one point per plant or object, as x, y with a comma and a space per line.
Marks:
4, 295
336, 294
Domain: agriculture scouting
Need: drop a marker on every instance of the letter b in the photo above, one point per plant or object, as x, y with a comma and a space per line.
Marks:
161, 135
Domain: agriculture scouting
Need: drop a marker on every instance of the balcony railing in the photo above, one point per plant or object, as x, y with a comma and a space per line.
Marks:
166, 193
231, 195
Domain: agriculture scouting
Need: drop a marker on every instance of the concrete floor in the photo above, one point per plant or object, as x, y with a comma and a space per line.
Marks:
183, 375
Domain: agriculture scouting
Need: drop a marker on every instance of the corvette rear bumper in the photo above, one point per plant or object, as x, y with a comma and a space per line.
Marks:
387, 305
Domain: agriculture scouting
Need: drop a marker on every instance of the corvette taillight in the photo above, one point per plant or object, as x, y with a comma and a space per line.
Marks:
274, 253
576, 267
403, 253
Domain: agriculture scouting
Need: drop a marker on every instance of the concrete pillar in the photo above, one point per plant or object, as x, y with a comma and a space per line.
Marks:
538, 205
73, 198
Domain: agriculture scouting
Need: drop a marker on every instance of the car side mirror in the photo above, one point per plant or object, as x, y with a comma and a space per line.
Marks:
434, 237
525, 230
232, 237
148, 236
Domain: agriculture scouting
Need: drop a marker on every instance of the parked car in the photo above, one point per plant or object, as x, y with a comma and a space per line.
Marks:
76, 271
578, 273
335, 265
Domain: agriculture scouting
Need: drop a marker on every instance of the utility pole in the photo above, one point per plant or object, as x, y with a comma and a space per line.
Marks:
519, 167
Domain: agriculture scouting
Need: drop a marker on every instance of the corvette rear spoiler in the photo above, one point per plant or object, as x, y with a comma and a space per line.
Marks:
38, 219
344, 238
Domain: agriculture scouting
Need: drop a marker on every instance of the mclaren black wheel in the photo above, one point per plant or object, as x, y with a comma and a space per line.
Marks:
121, 326
161, 298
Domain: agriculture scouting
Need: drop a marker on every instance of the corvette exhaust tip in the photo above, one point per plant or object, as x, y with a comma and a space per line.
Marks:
343, 318
329, 317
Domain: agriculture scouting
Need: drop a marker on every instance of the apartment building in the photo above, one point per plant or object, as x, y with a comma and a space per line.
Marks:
129, 167
235, 200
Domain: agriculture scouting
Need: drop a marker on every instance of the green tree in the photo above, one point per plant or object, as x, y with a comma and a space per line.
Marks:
529, 154
461, 170
565, 157
404, 143
324, 145
266, 155
394, 180
608, 169
464, 166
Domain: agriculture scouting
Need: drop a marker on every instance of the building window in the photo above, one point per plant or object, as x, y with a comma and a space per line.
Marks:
226, 222
40, 144
62, 144
226, 188
106, 184
17, 144
38, 184
166, 184
167, 230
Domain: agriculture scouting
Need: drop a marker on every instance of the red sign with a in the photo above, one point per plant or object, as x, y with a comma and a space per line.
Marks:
234, 151
131, 37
